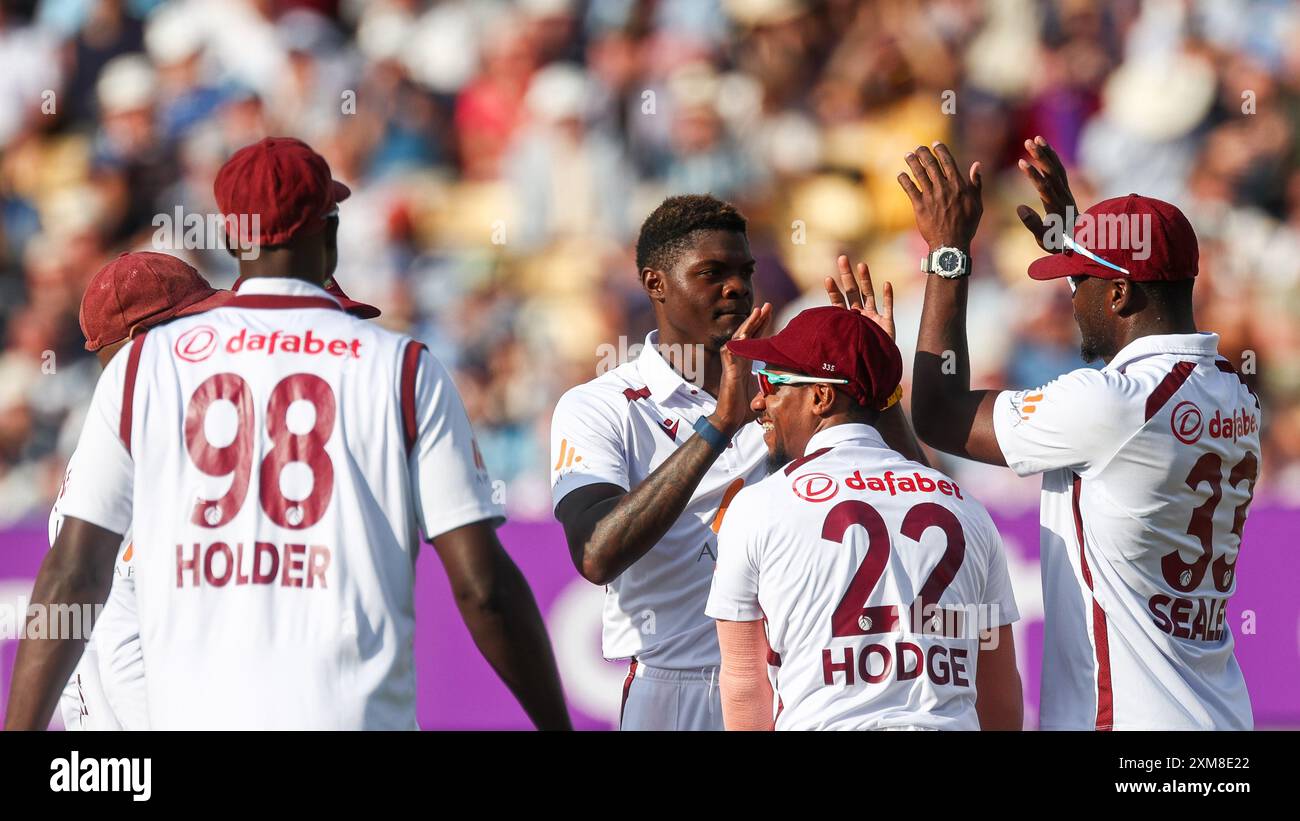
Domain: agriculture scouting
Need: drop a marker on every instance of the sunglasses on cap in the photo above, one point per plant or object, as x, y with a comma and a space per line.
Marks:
1071, 245
1076, 281
767, 380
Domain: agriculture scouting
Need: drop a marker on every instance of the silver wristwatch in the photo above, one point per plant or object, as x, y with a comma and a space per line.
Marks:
947, 262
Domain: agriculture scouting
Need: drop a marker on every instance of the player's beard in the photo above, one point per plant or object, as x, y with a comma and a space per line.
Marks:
1092, 323
1091, 347
776, 458
717, 342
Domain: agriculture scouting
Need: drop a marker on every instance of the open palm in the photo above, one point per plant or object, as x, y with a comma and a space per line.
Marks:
859, 295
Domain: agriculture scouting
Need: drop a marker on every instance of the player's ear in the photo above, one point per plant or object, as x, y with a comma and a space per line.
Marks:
823, 398
653, 281
1122, 296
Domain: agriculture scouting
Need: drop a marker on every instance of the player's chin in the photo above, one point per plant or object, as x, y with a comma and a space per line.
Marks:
776, 456
726, 324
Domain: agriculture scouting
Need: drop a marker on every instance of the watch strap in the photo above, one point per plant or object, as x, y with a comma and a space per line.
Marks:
716, 438
927, 268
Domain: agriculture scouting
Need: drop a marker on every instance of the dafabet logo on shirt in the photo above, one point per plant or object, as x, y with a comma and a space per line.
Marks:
815, 487
197, 344
1186, 422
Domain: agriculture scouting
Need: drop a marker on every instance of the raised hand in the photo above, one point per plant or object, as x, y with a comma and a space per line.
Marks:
946, 202
859, 295
735, 391
1047, 174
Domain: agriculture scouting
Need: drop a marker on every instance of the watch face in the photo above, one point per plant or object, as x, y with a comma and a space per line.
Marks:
949, 261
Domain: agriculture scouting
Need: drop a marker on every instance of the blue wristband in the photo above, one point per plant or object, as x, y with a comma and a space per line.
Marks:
716, 438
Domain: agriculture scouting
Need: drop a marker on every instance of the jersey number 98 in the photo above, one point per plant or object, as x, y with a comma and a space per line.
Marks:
236, 458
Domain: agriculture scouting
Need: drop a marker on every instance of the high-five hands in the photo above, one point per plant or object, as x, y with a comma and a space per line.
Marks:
946, 202
1047, 173
859, 295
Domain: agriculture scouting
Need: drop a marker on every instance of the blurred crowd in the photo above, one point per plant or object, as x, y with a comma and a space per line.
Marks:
503, 153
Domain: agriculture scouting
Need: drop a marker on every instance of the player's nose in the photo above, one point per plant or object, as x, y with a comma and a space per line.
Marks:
757, 404
737, 288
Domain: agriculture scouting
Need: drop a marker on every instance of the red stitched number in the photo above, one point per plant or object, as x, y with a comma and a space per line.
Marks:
1179, 574
1185, 577
235, 459
852, 617
919, 519
1247, 470
308, 448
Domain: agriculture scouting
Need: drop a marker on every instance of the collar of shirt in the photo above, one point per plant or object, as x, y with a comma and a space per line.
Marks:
855, 432
1201, 344
283, 286
659, 376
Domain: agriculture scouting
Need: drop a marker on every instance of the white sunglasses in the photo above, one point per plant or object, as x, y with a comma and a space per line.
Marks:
1079, 249
768, 380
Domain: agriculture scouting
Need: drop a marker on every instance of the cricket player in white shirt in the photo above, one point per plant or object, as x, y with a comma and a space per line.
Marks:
1148, 464
874, 587
277, 462
134, 292
645, 462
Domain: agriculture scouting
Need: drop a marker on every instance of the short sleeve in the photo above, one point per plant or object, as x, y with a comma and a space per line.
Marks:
1077, 421
451, 482
734, 594
56, 513
999, 598
99, 482
586, 445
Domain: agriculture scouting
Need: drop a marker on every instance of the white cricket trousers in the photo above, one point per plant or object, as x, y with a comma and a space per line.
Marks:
659, 699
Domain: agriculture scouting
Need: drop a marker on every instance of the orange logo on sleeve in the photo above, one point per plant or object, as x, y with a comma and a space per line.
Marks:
568, 456
727, 496
1029, 404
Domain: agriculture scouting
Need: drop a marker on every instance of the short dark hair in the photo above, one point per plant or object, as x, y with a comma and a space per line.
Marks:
1168, 295
862, 413
667, 231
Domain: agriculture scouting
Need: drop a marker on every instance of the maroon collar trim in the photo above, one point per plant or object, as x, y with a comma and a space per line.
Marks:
282, 302
803, 460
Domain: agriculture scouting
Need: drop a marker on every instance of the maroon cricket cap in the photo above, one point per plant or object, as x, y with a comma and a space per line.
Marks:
835, 343
139, 290
282, 181
1143, 239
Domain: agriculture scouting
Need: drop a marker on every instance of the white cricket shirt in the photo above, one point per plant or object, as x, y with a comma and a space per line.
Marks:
1148, 468
276, 460
112, 665
875, 575
618, 429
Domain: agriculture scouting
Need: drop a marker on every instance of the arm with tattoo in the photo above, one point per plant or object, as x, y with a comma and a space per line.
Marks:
608, 528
